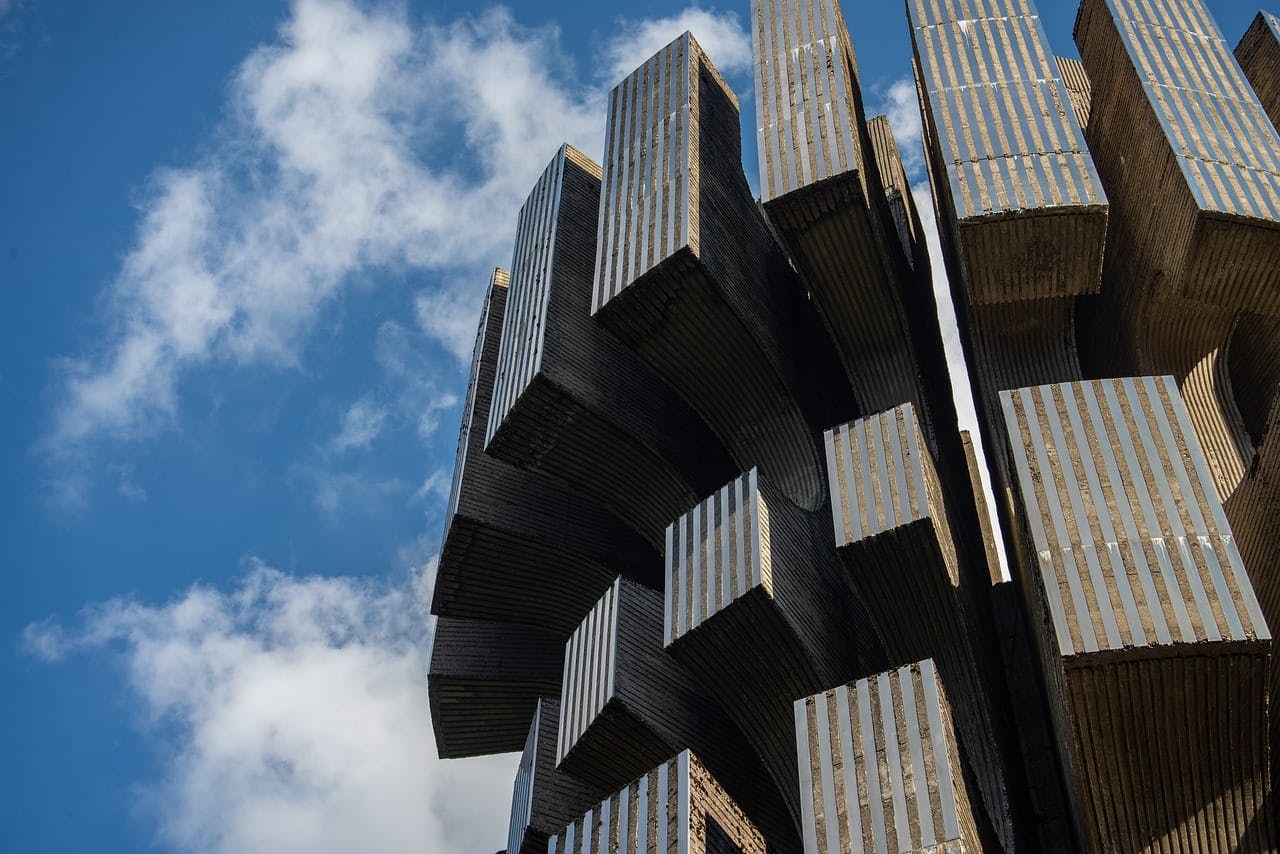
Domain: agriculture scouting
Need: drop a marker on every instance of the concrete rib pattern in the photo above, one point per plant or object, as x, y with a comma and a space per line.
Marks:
805, 94
518, 548
677, 808
1259, 56
1155, 636
589, 670
893, 534
543, 799
880, 769
1132, 544
719, 314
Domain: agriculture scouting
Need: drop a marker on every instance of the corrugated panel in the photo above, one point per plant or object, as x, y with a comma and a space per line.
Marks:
501, 279
879, 769
1010, 141
713, 555
644, 206
588, 681
1225, 145
523, 330
876, 472
1131, 541
805, 103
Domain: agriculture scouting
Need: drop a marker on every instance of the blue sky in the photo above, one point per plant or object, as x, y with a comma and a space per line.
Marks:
243, 247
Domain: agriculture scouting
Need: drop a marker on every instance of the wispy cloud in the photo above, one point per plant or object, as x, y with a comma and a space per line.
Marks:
357, 144
362, 422
721, 35
296, 715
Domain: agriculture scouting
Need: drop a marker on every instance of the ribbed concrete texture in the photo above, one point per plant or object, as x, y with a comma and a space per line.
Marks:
894, 536
880, 768
1191, 164
1078, 88
1022, 215
1200, 198
570, 402
824, 191
518, 548
626, 704
689, 275
897, 193
1152, 638
544, 800
1020, 187
484, 683
1259, 56
677, 807
759, 609
1253, 511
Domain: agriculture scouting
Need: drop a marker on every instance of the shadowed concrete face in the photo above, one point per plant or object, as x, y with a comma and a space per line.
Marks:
759, 609
837, 196
626, 701
484, 682
517, 548
894, 536
543, 799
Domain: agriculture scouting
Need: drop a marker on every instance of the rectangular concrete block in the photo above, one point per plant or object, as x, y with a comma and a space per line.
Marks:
1021, 192
880, 768
1152, 640
677, 807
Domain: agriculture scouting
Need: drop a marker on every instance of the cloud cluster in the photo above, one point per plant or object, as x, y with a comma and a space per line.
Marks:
356, 144
359, 146
296, 714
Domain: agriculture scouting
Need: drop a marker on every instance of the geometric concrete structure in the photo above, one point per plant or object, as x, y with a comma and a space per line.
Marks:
1191, 164
880, 768
711, 500
824, 192
897, 192
570, 402
688, 274
485, 681
894, 535
678, 806
1259, 56
517, 548
1079, 89
544, 800
1021, 211
625, 702
760, 611
1153, 641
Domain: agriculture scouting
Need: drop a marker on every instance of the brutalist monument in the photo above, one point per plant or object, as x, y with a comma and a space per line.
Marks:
717, 555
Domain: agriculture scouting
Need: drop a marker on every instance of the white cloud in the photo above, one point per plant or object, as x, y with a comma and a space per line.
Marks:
721, 35
436, 485
355, 143
361, 424
296, 716
902, 105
